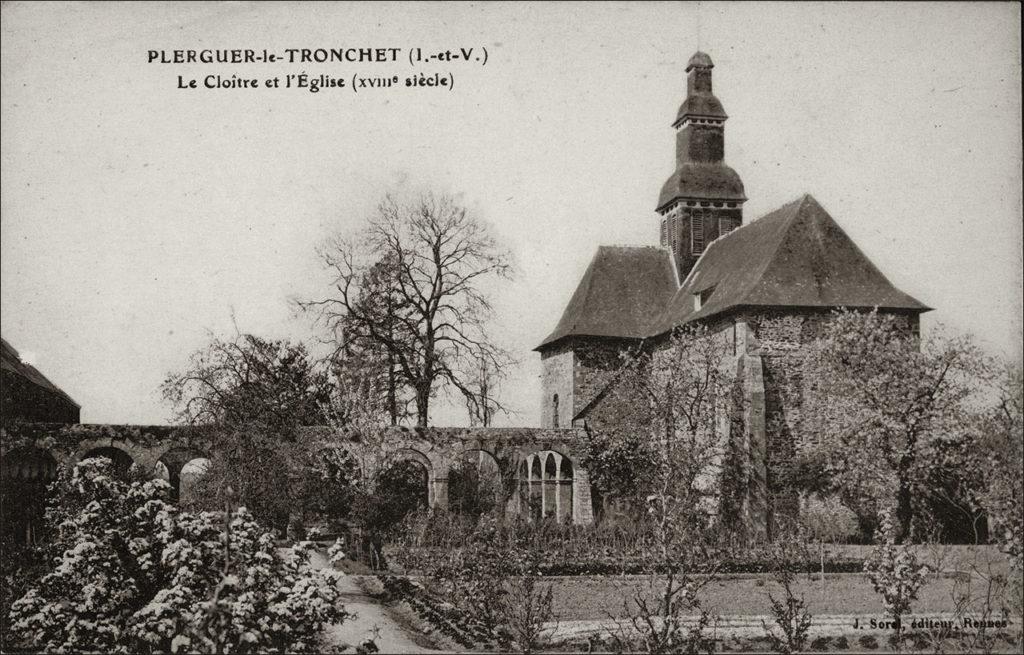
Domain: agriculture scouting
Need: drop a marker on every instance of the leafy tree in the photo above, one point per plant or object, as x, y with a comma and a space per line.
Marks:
412, 282
249, 381
616, 458
136, 574
792, 622
1000, 464
400, 489
882, 410
253, 396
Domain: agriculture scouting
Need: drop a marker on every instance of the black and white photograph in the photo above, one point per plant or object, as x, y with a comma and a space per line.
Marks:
464, 327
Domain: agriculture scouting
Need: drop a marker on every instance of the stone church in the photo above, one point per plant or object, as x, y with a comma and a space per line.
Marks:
765, 283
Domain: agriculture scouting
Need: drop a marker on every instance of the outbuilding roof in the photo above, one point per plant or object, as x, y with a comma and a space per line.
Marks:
10, 360
624, 289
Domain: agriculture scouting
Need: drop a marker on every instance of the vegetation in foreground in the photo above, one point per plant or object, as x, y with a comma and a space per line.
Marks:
133, 573
894, 435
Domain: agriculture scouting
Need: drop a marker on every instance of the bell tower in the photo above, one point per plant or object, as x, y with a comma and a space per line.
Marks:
703, 199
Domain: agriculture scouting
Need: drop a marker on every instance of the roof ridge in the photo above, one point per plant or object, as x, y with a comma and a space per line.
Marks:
631, 246
47, 384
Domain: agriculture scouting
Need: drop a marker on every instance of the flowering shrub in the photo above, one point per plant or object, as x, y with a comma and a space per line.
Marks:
897, 576
335, 553
136, 574
792, 624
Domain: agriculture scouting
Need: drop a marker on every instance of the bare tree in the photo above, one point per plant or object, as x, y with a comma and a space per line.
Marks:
420, 267
482, 403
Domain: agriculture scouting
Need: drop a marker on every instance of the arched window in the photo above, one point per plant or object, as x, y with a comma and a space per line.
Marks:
546, 486
550, 478
191, 480
554, 411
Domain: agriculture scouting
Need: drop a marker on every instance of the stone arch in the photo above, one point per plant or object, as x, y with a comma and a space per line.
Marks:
475, 482
413, 455
189, 483
564, 490
175, 459
549, 478
120, 459
25, 474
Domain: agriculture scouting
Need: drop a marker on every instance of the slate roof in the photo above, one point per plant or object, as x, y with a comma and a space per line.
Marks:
795, 256
700, 104
624, 289
701, 59
711, 181
10, 360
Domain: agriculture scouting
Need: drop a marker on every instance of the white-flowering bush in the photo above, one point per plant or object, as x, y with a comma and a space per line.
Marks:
137, 575
335, 553
896, 574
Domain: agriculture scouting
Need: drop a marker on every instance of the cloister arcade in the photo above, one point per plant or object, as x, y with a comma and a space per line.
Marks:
531, 471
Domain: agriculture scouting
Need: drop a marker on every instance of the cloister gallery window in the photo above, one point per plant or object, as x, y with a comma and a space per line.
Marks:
545, 486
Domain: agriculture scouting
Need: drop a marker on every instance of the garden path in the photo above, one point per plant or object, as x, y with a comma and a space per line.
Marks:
392, 638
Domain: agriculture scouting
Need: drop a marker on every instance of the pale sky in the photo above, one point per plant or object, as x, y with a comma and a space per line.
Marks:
137, 216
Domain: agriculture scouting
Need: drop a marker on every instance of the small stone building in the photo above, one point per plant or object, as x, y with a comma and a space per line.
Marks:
27, 395
765, 284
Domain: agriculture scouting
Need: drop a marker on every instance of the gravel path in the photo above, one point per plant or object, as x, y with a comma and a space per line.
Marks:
391, 638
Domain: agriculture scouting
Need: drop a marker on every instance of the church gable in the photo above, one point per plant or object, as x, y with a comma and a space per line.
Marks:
818, 265
795, 256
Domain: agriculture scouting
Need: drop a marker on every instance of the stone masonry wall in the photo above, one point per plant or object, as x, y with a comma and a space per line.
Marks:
597, 362
557, 366
780, 341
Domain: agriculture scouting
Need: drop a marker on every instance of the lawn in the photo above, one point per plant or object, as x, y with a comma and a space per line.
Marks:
592, 597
